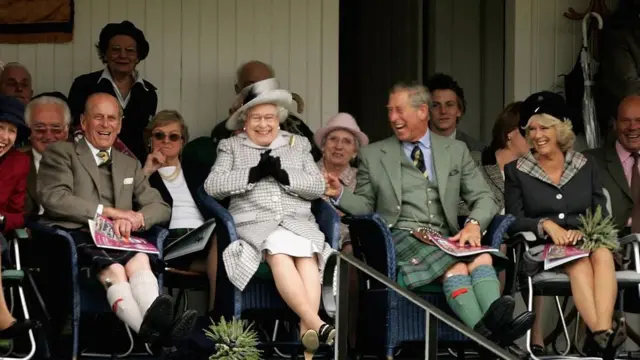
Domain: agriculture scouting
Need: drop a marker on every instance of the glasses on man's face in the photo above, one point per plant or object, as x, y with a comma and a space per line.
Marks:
42, 130
160, 136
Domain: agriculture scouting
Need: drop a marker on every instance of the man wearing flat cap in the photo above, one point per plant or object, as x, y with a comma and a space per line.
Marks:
121, 47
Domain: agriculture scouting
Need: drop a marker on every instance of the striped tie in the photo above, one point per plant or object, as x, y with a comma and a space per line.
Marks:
418, 160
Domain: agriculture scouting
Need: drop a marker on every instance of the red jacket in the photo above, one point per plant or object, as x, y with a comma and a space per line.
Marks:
14, 169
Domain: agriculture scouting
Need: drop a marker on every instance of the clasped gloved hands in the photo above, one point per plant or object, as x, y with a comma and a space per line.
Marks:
268, 166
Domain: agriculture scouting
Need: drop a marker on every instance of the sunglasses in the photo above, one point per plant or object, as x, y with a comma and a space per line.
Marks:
160, 136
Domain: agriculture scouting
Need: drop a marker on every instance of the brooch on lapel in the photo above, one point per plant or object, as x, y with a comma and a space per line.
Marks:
292, 141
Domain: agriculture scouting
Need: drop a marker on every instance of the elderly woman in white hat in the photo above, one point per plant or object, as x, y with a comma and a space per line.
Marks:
271, 179
339, 142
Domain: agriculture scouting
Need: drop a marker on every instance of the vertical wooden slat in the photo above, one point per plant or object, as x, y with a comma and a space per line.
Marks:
208, 112
154, 65
99, 19
226, 16
330, 46
262, 29
245, 31
298, 49
280, 29
190, 64
136, 13
313, 100
8, 53
45, 59
118, 10
62, 67
83, 40
172, 39
547, 19
27, 57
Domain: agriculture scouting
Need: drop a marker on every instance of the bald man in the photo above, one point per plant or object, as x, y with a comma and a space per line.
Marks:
15, 81
199, 155
617, 166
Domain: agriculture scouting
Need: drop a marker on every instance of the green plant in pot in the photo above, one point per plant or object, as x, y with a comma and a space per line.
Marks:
235, 340
597, 231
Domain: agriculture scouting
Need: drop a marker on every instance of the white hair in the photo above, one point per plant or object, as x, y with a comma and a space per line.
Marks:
47, 100
14, 64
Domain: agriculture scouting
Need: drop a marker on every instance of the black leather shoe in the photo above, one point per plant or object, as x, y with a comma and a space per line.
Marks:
515, 329
181, 327
499, 314
18, 328
157, 320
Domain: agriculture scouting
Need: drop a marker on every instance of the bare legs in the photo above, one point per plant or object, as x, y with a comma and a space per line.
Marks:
6, 319
587, 274
298, 282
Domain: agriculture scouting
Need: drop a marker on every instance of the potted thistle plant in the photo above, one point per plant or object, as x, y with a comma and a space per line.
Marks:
598, 231
235, 340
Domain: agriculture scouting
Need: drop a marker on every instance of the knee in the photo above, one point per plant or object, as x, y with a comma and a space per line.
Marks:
578, 266
601, 255
482, 259
139, 262
457, 269
115, 273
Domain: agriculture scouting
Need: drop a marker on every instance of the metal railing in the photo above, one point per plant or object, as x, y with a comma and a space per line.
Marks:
432, 313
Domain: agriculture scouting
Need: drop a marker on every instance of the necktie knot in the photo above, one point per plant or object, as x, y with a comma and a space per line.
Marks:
103, 156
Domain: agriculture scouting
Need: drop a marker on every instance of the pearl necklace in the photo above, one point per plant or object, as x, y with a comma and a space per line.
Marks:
174, 175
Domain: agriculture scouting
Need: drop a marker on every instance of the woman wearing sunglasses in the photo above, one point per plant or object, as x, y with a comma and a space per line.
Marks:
168, 135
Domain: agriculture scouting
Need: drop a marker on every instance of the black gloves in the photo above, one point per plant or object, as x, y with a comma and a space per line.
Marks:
268, 166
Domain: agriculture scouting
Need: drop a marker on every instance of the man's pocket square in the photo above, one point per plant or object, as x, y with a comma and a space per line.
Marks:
128, 181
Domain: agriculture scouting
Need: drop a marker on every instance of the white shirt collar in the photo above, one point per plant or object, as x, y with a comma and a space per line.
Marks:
453, 134
136, 75
36, 158
95, 152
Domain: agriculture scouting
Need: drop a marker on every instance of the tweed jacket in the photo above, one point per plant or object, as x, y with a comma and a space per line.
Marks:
614, 180
31, 201
531, 196
486, 162
472, 143
348, 179
69, 187
259, 208
378, 184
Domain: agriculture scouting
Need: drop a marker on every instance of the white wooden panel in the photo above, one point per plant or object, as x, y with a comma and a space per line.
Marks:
196, 47
330, 60
227, 62
548, 16
280, 30
208, 69
190, 64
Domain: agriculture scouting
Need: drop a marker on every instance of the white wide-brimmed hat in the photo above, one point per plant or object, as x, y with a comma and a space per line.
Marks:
277, 97
342, 121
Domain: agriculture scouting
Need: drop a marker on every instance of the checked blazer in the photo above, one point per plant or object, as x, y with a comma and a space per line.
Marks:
259, 208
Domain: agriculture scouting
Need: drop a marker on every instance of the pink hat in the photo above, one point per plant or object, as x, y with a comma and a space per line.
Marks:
341, 121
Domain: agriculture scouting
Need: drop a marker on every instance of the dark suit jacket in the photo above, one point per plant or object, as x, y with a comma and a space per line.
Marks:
69, 186
155, 180
14, 169
140, 108
613, 179
530, 198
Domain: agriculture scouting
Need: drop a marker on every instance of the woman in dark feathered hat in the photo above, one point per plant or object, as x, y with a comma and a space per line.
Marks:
121, 47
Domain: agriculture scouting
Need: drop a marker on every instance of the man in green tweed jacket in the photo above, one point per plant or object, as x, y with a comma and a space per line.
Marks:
416, 178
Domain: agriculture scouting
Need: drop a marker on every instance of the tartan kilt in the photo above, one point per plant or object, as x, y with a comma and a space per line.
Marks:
89, 255
422, 264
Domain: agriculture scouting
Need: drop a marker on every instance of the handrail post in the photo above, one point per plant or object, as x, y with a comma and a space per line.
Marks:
342, 311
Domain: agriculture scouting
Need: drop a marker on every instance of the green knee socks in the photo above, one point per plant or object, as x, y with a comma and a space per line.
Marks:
485, 285
462, 299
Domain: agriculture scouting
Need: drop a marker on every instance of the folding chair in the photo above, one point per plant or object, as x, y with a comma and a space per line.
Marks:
556, 284
392, 319
12, 279
88, 295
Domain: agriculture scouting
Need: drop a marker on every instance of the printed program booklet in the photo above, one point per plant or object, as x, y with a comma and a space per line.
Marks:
191, 242
452, 248
555, 255
104, 236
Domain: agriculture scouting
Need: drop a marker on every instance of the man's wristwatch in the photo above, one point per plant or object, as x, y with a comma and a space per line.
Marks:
472, 221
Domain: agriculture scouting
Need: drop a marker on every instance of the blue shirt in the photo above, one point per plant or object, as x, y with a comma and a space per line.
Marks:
425, 146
